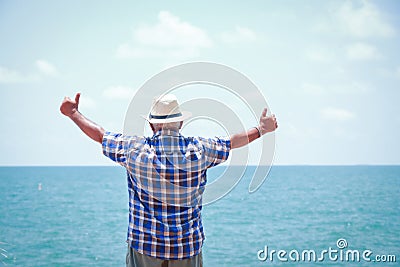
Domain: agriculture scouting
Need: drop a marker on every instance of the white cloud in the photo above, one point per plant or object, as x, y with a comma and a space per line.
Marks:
241, 34
46, 68
358, 19
362, 51
170, 37
337, 114
172, 32
8, 75
119, 92
363, 21
12, 76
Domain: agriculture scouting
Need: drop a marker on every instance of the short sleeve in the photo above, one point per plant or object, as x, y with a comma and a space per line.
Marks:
216, 150
116, 146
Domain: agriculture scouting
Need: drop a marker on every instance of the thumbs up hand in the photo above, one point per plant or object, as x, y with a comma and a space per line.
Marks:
267, 123
68, 106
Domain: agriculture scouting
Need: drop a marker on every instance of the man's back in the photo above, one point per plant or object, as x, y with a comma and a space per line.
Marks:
166, 179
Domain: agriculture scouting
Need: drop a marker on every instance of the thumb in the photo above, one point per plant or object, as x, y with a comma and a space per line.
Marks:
264, 113
78, 95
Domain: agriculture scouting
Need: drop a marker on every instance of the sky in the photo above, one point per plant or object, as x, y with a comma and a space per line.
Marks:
329, 70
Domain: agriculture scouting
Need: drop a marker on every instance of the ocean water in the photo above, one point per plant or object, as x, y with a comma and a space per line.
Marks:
80, 216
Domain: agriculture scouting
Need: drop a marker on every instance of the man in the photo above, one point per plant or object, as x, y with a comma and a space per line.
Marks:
166, 178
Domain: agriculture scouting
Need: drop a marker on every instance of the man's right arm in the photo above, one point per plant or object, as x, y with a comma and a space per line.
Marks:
267, 124
69, 108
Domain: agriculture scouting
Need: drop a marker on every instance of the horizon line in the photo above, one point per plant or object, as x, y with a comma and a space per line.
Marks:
249, 165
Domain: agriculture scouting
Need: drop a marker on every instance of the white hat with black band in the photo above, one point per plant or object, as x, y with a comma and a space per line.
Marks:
166, 109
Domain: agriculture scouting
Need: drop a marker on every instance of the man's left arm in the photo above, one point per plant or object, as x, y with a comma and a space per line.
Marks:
69, 108
267, 124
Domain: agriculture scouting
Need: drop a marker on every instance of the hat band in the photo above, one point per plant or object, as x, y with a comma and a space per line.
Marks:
162, 117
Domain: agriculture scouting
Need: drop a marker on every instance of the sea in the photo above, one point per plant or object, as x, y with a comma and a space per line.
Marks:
299, 216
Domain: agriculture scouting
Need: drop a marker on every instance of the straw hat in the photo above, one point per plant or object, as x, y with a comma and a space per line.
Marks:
166, 109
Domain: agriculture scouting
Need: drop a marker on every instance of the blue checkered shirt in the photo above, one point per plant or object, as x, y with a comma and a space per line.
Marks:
166, 179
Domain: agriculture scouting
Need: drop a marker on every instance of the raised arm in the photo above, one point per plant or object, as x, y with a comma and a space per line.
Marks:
69, 108
267, 124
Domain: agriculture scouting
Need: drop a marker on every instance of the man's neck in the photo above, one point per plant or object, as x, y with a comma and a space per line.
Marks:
166, 131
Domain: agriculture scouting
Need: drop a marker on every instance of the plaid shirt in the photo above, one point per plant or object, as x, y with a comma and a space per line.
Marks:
166, 179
